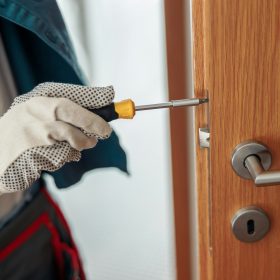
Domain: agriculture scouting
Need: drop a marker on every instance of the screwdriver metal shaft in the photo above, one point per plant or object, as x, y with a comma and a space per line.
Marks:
172, 103
125, 109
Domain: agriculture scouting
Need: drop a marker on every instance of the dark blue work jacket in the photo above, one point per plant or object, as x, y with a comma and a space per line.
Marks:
39, 50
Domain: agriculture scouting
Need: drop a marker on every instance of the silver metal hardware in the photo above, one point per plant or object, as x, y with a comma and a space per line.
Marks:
250, 160
204, 137
173, 103
259, 175
250, 224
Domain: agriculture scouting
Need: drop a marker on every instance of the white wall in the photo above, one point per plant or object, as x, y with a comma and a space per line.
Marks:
124, 225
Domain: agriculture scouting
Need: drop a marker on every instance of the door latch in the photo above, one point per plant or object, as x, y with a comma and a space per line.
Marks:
204, 137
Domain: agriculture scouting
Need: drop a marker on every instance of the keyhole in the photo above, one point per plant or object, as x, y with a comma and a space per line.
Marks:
250, 227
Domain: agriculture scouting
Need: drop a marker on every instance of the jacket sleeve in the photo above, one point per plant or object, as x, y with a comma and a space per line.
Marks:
39, 50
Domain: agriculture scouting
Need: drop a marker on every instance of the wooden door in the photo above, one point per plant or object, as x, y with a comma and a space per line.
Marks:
237, 60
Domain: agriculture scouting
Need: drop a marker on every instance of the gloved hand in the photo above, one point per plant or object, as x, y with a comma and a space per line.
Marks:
48, 127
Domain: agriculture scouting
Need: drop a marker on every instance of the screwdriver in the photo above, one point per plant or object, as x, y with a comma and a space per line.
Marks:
126, 109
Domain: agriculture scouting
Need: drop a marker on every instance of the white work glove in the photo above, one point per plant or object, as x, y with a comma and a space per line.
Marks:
48, 127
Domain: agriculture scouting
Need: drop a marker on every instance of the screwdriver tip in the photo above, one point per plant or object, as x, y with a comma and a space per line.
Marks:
203, 100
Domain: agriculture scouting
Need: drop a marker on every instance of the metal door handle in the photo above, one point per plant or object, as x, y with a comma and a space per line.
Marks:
259, 175
251, 160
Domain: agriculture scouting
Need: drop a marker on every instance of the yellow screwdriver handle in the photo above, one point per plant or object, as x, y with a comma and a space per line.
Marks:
125, 109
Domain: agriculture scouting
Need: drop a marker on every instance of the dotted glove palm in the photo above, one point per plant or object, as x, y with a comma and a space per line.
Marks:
48, 127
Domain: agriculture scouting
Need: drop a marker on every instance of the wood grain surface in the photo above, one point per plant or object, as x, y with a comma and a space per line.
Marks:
237, 59
202, 154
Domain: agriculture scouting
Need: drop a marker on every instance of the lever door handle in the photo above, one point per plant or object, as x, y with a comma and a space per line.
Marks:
259, 175
251, 160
